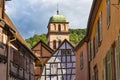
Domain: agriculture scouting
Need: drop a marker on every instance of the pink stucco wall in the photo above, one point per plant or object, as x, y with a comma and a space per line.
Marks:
82, 74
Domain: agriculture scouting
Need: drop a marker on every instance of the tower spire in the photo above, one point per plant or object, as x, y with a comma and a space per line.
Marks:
57, 8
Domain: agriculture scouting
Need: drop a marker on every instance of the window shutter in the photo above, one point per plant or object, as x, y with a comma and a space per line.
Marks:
97, 38
92, 49
108, 11
100, 26
109, 65
81, 60
117, 58
89, 50
104, 68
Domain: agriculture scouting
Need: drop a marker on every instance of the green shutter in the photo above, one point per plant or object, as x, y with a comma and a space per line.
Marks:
92, 49
117, 58
96, 38
104, 68
109, 65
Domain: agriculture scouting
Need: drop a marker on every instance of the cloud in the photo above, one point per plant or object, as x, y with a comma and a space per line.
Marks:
32, 16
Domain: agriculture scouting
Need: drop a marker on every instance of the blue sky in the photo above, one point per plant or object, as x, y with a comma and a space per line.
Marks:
32, 16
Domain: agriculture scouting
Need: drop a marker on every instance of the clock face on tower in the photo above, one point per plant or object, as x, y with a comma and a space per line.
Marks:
59, 37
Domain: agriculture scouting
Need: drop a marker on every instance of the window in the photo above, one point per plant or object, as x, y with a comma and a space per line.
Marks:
54, 26
27, 64
59, 28
98, 36
15, 57
64, 28
54, 69
21, 60
54, 44
108, 11
59, 42
65, 51
81, 60
100, 27
95, 73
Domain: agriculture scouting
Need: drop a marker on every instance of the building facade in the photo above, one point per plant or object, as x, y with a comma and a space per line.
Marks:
103, 40
82, 66
43, 52
61, 65
58, 30
16, 58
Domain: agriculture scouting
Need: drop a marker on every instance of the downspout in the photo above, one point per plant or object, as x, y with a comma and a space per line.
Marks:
8, 54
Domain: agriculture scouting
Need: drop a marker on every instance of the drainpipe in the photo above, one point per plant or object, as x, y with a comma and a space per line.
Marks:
8, 54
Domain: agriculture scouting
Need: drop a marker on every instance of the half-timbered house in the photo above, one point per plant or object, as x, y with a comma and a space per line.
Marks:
16, 58
43, 52
61, 65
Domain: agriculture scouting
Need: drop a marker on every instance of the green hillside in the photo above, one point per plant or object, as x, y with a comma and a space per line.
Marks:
75, 36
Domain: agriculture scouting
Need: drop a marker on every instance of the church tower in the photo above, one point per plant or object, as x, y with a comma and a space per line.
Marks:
58, 30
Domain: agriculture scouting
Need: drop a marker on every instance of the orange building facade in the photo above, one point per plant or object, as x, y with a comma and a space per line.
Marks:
103, 40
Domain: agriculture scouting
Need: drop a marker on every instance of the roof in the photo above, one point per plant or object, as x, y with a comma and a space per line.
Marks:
93, 12
60, 46
18, 35
58, 18
44, 45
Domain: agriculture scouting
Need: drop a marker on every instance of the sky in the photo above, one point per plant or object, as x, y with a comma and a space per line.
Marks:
32, 16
